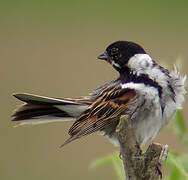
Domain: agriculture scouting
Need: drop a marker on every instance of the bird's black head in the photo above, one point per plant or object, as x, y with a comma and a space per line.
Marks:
119, 53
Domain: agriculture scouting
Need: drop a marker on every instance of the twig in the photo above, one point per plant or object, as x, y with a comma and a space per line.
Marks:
138, 165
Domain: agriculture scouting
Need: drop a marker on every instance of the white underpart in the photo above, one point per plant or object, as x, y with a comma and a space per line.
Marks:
147, 120
143, 64
148, 127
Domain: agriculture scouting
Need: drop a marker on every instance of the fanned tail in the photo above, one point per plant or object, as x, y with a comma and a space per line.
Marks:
40, 109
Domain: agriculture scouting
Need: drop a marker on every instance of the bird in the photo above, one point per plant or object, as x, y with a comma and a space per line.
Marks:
145, 92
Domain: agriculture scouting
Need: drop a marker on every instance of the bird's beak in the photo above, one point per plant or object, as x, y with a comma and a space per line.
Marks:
103, 56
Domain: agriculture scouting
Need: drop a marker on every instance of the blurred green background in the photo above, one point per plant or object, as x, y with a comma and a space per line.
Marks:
50, 48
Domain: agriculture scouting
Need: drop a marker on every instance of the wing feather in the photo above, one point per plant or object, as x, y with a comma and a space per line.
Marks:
108, 108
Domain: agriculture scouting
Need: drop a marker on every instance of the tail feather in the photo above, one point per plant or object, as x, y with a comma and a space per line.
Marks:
39, 109
29, 111
35, 99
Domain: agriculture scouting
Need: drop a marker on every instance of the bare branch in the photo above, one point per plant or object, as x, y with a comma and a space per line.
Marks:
138, 165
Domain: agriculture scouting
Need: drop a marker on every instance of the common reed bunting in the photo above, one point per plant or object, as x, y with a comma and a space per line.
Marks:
144, 91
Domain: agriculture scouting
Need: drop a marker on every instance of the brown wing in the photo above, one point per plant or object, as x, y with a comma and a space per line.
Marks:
106, 109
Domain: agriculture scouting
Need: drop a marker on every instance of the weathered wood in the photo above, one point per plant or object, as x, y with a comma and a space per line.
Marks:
138, 165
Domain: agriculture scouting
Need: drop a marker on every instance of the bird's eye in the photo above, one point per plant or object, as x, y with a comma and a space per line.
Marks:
115, 52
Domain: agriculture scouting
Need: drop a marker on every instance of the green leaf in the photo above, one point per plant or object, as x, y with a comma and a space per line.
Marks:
176, 174
177, 165
101, 162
